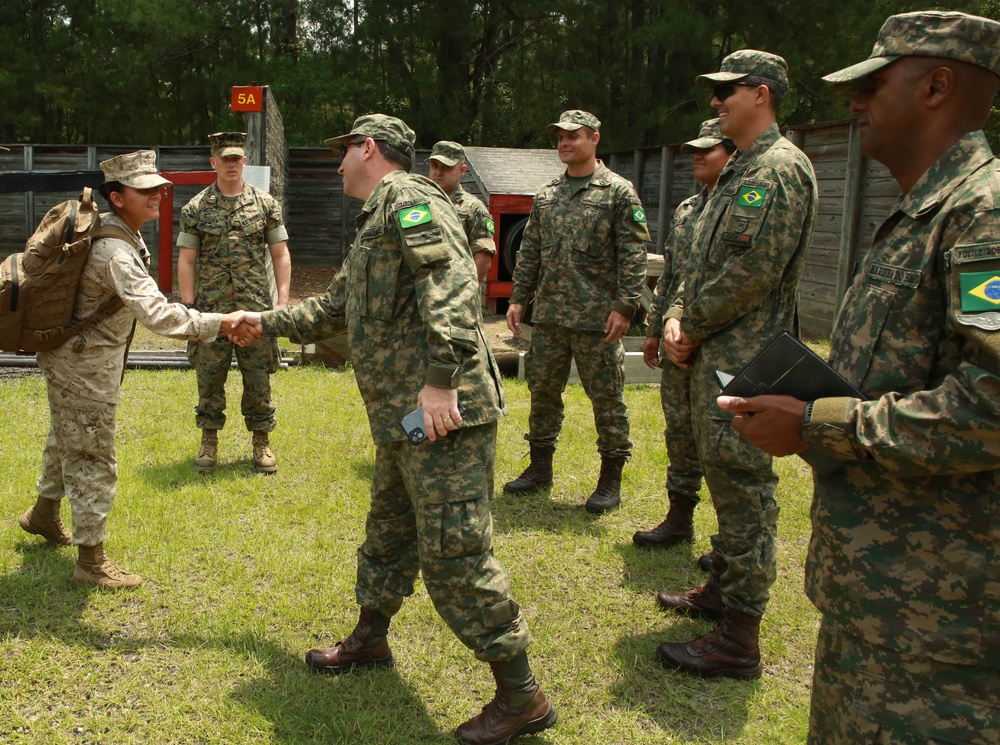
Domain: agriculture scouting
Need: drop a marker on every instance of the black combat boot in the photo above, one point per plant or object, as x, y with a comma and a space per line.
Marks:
608, 493
365, 647
677, 528
519, 707
537, 475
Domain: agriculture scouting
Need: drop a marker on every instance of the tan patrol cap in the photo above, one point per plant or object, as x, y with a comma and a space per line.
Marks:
574, 119
447, 153
137, 170
929, 33
225, 144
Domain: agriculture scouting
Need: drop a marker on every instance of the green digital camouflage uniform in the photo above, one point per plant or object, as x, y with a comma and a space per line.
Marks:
683, 467
584, 255
232, 238
904, 552
750, 247
84, 377
476, 220
409, 299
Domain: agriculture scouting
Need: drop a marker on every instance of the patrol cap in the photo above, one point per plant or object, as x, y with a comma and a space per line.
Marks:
137, 170
744, 62
447, 153
574, 119
379, 127
929, 33
708, 137
225, 144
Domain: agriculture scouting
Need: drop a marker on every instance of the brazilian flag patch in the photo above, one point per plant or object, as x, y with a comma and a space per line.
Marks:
980, 291
490, 226
638, 214
751, 196
416, 215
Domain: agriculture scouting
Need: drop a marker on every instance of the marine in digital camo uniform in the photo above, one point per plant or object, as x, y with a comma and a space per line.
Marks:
233, 255
409, 299
903, 558
711, 151
583, 254
84, 375
447, 166
751, 243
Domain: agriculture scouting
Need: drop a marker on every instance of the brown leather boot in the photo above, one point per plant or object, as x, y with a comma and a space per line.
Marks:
208, 452
518, 707
608, 494
93, 567
43, 519
704, 562
263, 459
677, 528
537, 475
365, 647
729, 650
703, 601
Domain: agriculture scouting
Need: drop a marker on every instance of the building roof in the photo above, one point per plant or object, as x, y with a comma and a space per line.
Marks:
512, 171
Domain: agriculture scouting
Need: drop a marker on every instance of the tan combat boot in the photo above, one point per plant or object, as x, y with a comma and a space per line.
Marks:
208, 454
263, 459
43, 519
93, 567
518, 708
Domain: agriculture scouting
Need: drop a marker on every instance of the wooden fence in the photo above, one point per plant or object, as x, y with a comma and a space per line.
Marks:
855, 194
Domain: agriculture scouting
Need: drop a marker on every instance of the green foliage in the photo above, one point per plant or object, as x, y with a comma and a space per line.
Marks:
489, 72
245, 572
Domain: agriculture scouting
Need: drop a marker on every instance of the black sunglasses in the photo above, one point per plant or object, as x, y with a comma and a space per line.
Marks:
347, 146
724, 91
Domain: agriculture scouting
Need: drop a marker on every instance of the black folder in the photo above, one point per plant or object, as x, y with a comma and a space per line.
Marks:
787, 367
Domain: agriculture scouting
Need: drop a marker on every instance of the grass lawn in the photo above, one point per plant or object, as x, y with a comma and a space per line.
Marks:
245, 572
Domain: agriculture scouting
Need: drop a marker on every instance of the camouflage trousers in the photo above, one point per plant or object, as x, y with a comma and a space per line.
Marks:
79, 462
601, 366
683, 466
742, 483
430, 514
212, 360
864, 694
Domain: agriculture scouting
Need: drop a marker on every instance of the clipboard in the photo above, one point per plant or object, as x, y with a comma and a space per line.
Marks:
787, 367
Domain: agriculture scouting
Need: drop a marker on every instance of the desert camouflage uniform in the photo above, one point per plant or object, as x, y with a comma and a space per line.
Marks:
904, 552
584, 255
232, 238
409, 299
84, 377
739, 293
683, 468
476, 220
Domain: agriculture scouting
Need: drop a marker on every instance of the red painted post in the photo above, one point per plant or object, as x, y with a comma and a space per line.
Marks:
165, 252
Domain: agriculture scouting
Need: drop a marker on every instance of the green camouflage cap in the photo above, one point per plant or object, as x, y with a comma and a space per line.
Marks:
574, 119
708, 137
447, 153
929, 33
381, 128
228, 143
739, 64
137, 170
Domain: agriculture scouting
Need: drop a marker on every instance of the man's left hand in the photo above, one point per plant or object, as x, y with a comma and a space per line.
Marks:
616, 327
440, 410
771, 423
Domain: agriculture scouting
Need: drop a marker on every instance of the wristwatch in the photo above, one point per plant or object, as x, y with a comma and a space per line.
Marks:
807, 417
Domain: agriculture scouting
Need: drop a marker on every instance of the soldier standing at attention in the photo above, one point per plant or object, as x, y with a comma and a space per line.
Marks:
903, 558
710, 153
583, 254
83, 376
408, 297
233, 254
447, 166
750, 246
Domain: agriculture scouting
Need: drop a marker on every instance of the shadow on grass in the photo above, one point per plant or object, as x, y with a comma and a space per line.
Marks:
539, 511
651, 570
37, 599
684, 707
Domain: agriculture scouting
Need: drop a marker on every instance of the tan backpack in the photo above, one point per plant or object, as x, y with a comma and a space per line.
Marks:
38, 286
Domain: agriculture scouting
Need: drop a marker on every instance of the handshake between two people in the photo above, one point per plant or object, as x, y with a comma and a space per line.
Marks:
242, 327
